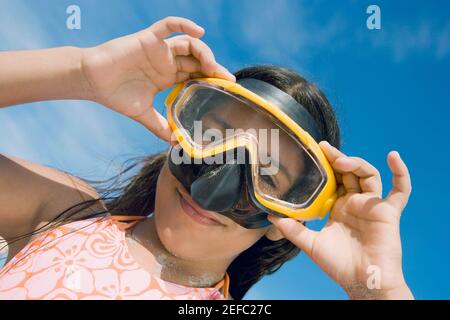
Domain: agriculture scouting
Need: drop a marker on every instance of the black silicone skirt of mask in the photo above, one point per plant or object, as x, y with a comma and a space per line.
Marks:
223, 188
218, 189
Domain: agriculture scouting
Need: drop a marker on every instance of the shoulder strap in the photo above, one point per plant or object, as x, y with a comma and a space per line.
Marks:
224, 284
126, 222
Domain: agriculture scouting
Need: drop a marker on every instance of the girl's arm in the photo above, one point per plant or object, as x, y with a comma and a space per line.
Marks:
37, 75
123, 74
32, 195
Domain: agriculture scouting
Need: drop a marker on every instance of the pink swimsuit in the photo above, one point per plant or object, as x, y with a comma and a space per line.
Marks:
89, 259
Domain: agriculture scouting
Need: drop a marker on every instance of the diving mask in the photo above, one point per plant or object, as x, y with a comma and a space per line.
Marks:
248, 149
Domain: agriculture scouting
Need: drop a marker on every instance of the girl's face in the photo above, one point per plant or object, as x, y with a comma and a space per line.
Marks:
191, 233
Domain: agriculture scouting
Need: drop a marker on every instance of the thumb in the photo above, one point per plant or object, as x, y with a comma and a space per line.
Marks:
155, 122
295, 232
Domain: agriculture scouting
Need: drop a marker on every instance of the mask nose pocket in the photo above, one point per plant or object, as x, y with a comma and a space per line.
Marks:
183, 171
219, 189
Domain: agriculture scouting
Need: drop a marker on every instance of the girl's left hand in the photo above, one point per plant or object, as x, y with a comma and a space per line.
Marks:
359, 247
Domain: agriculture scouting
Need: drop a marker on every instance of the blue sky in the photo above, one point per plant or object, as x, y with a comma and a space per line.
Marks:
390, 88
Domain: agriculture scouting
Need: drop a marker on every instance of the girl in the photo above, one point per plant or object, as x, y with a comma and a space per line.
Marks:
146, 238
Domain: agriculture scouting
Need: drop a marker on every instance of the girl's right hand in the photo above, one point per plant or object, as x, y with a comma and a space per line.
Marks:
126, 73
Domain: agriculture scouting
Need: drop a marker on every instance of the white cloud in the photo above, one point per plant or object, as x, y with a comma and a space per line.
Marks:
19, 27
288, 30
294, 30
262, 32
425, 38
211, 11
443, 42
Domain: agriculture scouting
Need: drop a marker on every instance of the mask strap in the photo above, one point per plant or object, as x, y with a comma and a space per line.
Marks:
285, 103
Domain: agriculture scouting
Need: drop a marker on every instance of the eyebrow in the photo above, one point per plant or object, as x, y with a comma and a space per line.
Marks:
282, 167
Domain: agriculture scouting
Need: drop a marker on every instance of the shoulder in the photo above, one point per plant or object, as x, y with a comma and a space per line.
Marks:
54, 190
54, 176
32, 194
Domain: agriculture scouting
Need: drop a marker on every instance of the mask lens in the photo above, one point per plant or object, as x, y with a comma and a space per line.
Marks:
282, 168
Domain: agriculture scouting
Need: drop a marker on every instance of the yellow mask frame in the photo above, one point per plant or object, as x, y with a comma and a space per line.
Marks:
327, 195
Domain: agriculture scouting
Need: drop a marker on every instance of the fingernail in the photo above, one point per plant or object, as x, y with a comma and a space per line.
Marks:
223, 75
333, 147
396, 153
224, 72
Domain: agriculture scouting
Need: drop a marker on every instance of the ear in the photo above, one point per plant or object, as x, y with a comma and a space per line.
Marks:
273, 233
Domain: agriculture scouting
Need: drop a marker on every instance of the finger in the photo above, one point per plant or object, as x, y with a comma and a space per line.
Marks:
351, 183
295, 232
209, 66
368, 176
341, 191
358, 206
187, 64
222, 72
330, 152
182, 76
179, 45
338, 177
155, 122
184, 45
165, 27
196, 75
173, 139
401, 181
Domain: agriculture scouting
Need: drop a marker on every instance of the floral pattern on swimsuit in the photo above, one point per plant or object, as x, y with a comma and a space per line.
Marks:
87, 259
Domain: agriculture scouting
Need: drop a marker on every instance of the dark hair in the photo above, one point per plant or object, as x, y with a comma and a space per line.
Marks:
136, 194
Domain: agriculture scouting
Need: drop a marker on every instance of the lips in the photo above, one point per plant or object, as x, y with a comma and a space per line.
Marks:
196, 213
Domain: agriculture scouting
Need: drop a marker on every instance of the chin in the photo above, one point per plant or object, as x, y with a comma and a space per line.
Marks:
180, 236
